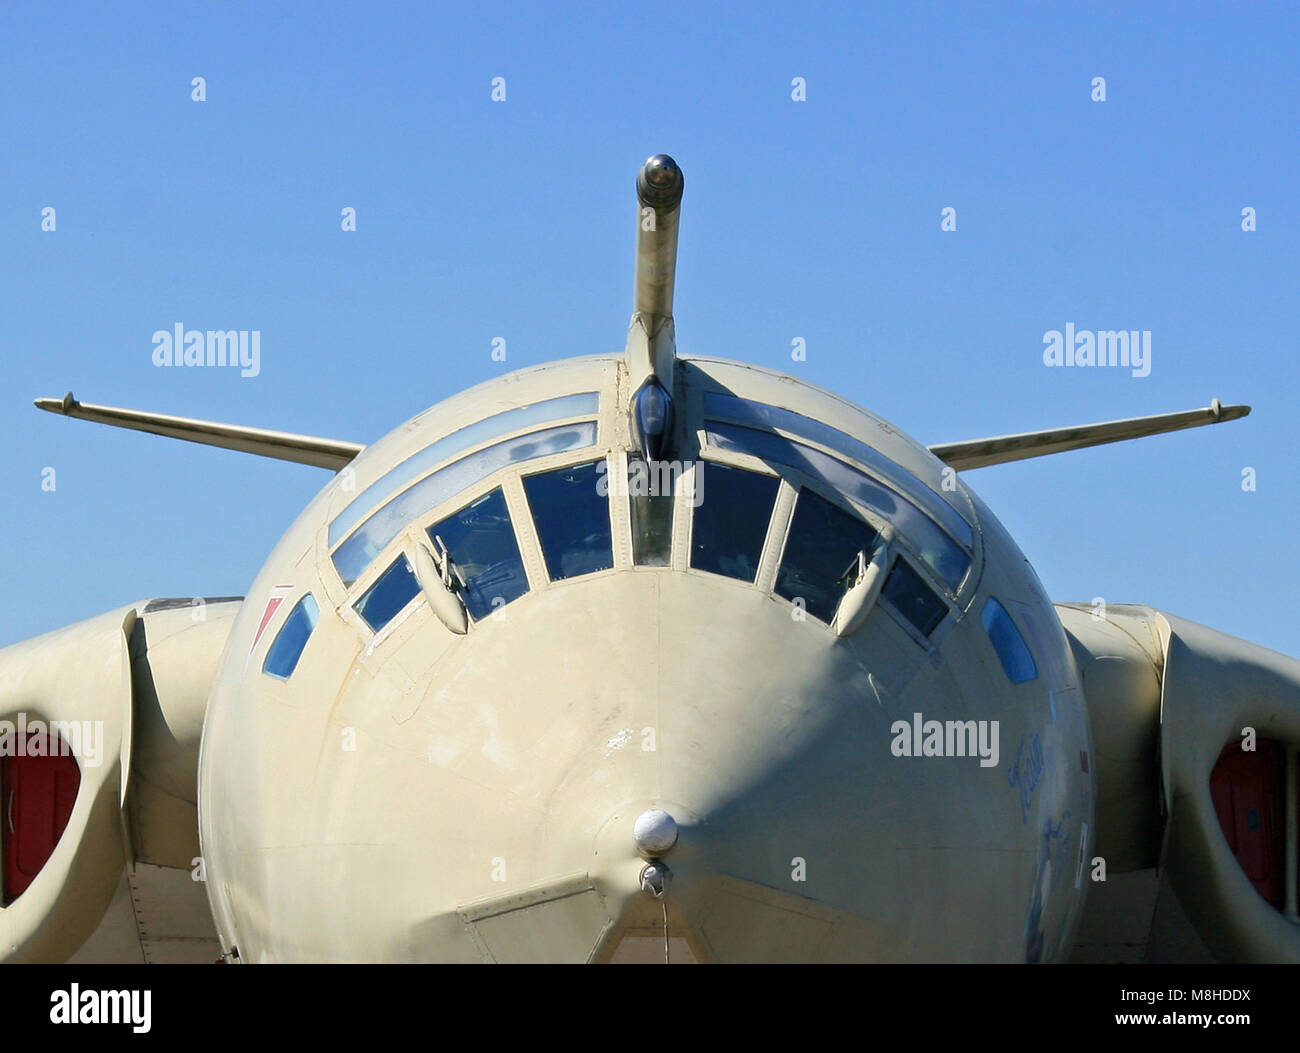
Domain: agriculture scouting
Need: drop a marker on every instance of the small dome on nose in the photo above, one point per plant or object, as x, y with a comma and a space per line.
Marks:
655, 832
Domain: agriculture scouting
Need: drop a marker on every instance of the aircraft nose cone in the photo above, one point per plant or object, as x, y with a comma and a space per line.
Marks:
655, 832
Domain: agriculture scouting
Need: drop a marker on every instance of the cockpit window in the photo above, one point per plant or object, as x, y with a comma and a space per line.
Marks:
374, 535
481, 542
944, 555
385, 599
282, 657
570, 509
760, 415
821, 546
1017, 661
578, 405
650, 491
731, 519
913, 598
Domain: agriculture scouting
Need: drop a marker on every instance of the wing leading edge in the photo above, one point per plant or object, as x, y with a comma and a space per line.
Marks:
335, 454
980, 453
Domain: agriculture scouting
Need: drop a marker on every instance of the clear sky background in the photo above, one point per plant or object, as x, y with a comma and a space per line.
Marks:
818, 219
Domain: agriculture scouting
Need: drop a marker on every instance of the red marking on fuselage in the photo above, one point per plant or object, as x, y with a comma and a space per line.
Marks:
272, 605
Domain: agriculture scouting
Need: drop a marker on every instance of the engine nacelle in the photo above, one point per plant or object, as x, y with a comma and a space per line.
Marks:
1171, 704
1215, 688
99, 738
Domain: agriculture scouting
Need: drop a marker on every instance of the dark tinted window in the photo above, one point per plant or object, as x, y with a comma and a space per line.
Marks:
456, 443
932, 543
282, 658
650, 490
915, 600
383, 525
571, 512
481, 540
762, 417
731, 519
1013, 652
395, 588
823, 541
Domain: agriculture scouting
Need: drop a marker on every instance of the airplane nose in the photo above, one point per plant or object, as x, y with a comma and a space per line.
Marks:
747, 755
745, 751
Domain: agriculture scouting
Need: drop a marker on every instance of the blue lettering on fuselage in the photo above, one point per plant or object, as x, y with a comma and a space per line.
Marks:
1025, 772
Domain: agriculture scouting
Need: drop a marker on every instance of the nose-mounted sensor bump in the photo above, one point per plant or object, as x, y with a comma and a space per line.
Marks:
655, 833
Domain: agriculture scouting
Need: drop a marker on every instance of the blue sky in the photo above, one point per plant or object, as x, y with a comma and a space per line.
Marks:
816, 219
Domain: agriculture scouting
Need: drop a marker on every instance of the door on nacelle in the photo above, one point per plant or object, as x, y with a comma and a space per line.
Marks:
1247, 788
37, 793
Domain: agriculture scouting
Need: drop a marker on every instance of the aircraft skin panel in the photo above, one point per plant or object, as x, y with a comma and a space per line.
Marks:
1135, 918
158, 916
